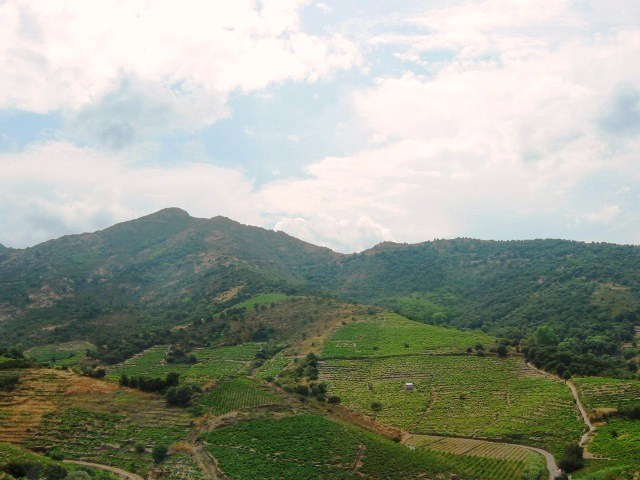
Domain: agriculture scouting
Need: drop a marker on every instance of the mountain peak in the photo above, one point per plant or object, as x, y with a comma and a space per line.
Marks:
171, 211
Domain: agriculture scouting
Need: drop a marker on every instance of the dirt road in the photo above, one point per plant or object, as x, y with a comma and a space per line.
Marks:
108, 468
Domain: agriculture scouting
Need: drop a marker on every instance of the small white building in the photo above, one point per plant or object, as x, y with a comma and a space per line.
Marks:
409, 386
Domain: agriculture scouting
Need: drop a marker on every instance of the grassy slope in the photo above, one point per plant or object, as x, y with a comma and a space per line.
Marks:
616, 438
87, 419
481, 396
313, 447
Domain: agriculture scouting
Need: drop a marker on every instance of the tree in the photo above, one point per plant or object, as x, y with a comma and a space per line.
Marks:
545, 336
159, 453
572, 459
179, 395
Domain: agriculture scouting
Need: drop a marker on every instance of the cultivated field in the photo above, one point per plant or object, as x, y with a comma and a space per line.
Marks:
313, 447
213, 363
86, 419
601, 392
237, 394
388, 334
465, 395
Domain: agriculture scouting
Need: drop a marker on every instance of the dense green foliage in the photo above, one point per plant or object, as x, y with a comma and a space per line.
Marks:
589, 294
313, 447
125, 287
389, 334
237, 394
23, 464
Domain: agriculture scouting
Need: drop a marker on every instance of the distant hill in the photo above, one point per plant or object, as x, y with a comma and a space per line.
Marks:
169, 268
164, 265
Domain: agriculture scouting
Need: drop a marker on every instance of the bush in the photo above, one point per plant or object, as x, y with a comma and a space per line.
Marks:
334, 400
572, 459
180, 395
159, 453
9, 382
376, 406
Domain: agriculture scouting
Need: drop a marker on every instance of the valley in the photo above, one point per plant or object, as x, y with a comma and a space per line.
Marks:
179, 348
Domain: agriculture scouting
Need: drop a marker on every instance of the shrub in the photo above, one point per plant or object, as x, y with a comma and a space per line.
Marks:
159, 453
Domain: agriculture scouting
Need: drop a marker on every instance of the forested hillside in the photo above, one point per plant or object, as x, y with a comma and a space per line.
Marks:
587, 294
159, 270
570, 306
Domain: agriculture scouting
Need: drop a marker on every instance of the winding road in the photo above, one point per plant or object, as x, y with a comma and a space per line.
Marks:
108, 468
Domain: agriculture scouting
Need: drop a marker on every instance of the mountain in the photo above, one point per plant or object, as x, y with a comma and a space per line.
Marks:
164, 266
142, 277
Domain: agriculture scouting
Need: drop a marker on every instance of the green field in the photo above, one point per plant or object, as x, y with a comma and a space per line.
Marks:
458, 395
103, 437
272, 367
388, 334
313, 447
237, 394
213, 363
264, 299
60, 354
39, 466
616, 438
601, 392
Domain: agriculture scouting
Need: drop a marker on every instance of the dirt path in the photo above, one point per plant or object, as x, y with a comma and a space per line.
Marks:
208, 464
357, 462
108, 468
587, 436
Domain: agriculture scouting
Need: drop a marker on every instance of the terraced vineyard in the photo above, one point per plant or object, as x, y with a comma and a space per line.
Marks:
87, 419
213, 363
60, 353
464, 395
616, 438
12, 454
313, 447
237, 394
388, 334
599, 392
106, 438
273, 366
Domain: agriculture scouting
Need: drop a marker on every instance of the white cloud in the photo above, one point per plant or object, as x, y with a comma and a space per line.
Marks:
75, 56
501, 136
606, 214
343, 235
57, 188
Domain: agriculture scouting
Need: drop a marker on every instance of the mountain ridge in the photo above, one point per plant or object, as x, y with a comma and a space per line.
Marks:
166, 268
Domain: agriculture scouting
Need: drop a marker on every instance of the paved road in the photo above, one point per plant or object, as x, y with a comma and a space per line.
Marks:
554, 471
108, 468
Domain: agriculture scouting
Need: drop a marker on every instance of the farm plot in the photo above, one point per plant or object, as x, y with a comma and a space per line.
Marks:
87, 419
389, 334
619, 439
103, 437
213, 363
272, 367
458, 395
314, 447
264, 299
236, 394
34, 463
599, 392
60, 354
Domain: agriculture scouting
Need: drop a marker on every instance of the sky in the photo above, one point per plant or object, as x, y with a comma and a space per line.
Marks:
344, 123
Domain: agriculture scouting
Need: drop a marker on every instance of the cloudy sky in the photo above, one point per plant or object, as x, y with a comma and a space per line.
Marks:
341, 122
